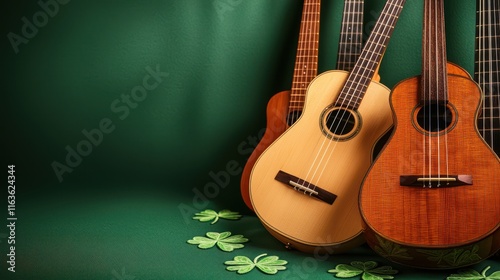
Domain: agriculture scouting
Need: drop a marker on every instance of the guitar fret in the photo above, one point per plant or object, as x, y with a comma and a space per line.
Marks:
487, 24
351, 34
494, 60
306, 60
491, 71
493, 11
489, 36
489, 114
493, 123
300, 82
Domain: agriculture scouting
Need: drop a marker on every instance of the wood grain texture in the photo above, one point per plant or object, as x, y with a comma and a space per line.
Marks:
434, 218
304, 222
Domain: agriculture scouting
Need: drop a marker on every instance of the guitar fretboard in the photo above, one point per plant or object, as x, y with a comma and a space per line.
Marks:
486, 70
434, 80
361, 75
306, 61
351, 34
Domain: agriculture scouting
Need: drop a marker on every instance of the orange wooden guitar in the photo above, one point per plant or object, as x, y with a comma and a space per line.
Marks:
431, 198
285, 107
304, 187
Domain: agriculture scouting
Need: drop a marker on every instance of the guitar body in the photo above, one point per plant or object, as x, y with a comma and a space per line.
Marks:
437, 227
276, 124
307, 151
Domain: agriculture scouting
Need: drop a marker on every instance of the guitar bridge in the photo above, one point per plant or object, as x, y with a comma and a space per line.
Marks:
435, 180
305, 187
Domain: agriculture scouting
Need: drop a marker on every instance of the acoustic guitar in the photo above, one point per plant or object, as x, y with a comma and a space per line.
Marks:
304, 186
431, 198
284, 108
487, 70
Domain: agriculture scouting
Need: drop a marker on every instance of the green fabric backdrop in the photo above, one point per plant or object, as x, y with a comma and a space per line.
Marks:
123, 118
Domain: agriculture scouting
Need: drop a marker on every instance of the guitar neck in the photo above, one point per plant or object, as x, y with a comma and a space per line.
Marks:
351, 34
434, 88
487, 67
361, 75
306, 61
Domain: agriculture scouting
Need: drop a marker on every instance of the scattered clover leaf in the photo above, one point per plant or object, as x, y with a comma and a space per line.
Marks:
368, 271
268, 265
471, 274
208, 215
224, 241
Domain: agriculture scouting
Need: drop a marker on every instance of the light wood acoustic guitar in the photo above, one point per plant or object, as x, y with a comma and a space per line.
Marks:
304, 187
487, 69
431, 199
284, 108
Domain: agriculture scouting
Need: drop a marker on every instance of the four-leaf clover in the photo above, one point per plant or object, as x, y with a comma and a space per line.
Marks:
369, 271
471, 274
224, 241
268, 265
208, 215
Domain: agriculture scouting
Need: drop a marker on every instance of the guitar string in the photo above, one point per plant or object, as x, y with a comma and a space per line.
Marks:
313, 41
348, 12
437, 89
309, 41
303, 58
445, 78
481, 65
347, 21
440, 49
306, 45
303, 61
296, 87
489, 70
486, 62
490, 81
383, 19
495, 90
342, 50
346, 33
425, 88
353, 17
445, 83
312, 29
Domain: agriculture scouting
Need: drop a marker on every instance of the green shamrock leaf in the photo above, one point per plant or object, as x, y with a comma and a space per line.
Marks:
208, 215
223, 240
368, 271
268, 265
471, 274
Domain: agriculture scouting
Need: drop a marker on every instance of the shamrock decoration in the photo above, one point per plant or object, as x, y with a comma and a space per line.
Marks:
224, 241
208, 215
471, 274
268, 265
369, 271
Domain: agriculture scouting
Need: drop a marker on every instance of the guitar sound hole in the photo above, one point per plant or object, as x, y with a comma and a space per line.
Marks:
340, 122
434, 117
293, 117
